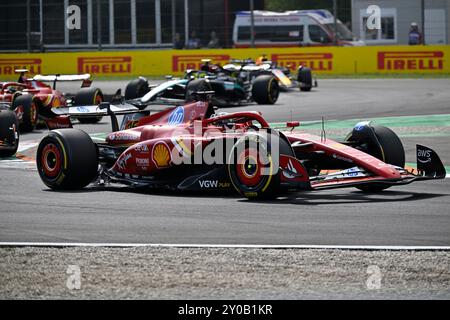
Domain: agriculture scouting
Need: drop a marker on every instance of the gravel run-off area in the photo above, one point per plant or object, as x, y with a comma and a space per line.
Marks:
221, 273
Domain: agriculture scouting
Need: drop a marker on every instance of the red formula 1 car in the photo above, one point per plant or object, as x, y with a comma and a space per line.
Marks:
29, 97
191, 148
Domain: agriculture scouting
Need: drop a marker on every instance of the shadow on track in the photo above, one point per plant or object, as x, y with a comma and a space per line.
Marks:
353, 197
297, 198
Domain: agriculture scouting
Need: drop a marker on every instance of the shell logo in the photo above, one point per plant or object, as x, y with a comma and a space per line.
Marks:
56, 102
161, 155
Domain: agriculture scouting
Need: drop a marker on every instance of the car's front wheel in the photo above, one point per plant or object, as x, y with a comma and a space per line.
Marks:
382, 143
252, 170
88, 97
265, 89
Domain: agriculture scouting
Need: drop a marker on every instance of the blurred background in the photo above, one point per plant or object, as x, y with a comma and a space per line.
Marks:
39, 25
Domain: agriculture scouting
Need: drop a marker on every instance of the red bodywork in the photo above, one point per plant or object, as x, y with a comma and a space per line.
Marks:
43, 95
149, 146
47, 96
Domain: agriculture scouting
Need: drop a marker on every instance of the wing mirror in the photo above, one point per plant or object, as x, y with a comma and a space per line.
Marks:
292, 124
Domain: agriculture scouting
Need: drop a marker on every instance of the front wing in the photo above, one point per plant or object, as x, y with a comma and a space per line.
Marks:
429, 167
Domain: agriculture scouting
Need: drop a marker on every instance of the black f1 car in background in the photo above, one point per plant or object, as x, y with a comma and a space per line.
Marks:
148, 155
304, 80
228, 90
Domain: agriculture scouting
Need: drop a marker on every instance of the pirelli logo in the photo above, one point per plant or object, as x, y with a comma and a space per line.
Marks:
7, 66
412, 60
181, 63
105, 65
316, 61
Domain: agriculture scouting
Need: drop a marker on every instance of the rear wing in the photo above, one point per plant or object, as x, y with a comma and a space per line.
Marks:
92, 111
64, 77
100, 110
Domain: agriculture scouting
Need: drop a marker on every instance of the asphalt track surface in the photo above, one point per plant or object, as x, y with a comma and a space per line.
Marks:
416, 214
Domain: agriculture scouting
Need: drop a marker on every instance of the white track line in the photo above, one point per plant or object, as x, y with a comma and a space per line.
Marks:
225, 246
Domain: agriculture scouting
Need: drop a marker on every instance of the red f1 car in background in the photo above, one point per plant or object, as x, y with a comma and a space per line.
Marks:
26, 96
191, 147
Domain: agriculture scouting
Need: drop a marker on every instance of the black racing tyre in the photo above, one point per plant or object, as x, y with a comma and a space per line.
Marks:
389, 149
26, 106
196, 85
251, 169
9, 134
88, 97
265, 89
67, 159
305, 79
136, 88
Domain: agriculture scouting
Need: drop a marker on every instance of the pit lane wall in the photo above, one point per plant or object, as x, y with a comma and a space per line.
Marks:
323, 60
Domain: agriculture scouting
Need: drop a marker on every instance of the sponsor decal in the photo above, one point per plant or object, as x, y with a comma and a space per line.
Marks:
213, 184
181, 63
122, 162
408, 61
352, 172
320, 61
176, 117
105, 65
82, 109
423, 156
7, 66
143, 148
161, 155
142, 162
250, 194
124, 136
338, 157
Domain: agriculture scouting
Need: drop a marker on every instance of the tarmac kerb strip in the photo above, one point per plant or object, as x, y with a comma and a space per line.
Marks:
224, 246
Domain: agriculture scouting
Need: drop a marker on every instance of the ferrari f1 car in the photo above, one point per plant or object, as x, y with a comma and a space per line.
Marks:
191, 147
28, 96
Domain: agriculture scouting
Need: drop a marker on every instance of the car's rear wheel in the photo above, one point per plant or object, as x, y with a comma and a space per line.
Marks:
136, 88
26, 107
88, 97
305, 79
265, 89
251, 169
67, 159
384, 145
9, 135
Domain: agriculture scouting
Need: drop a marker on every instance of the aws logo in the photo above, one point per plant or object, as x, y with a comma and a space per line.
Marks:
423, 156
